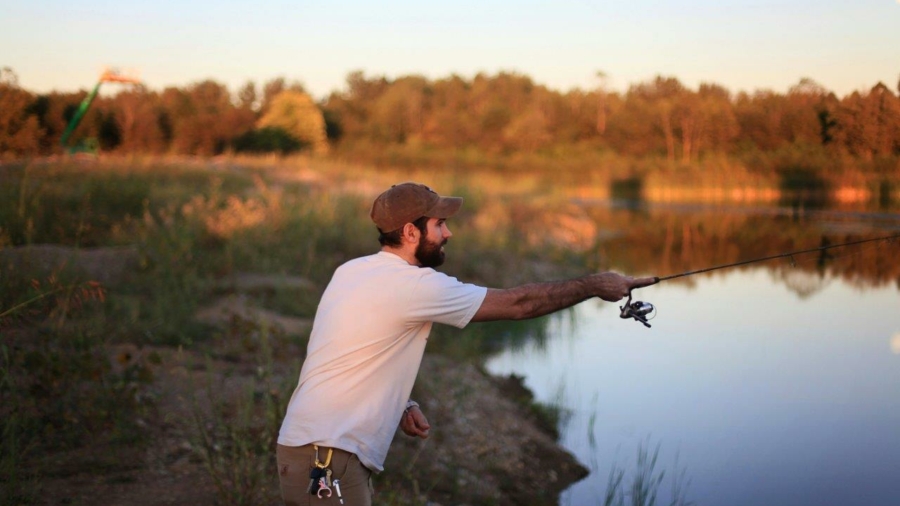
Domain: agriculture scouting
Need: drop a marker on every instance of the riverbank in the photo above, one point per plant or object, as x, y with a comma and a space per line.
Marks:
487, 445
204, 419
154, 320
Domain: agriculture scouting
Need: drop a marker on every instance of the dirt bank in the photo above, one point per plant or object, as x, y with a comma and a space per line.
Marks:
486, 446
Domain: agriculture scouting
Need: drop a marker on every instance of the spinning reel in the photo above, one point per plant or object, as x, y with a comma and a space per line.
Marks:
638, 310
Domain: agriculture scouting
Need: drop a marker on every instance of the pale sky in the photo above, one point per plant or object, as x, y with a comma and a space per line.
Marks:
844, 45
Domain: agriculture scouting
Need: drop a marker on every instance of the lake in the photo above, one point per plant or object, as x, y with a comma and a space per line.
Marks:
773, 384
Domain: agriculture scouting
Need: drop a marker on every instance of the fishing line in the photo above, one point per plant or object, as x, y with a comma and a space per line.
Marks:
835, 257
773, 257
641, 311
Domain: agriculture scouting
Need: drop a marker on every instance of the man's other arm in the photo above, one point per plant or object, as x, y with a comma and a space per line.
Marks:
538, 299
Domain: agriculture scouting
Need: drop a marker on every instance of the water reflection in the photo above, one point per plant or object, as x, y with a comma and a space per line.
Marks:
768, 398
671, 239
804, 188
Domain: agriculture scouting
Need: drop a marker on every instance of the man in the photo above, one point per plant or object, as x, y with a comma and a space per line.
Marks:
368, 339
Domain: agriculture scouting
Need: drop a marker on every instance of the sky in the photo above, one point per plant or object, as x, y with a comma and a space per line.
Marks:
844, 45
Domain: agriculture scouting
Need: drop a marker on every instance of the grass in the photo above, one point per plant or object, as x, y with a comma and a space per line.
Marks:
59, 389
234, 437
642, 487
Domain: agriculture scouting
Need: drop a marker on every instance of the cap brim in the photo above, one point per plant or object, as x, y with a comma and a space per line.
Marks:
445, 208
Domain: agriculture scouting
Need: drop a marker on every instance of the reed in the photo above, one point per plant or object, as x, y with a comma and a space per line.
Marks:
642, 486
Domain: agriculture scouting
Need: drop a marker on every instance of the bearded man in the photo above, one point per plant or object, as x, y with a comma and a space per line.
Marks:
369, 336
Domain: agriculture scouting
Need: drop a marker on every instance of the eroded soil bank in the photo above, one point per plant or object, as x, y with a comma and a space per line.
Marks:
488, 445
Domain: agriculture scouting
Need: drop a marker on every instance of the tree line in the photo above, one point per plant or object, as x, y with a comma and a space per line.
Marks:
495, 114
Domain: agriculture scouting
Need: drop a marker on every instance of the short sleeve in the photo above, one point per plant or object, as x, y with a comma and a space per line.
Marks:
440, 298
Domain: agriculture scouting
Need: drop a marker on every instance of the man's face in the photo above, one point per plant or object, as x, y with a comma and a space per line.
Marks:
430, 250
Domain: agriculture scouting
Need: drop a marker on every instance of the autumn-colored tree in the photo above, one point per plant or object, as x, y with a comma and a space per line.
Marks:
707, 121
496, 114
647, 121
602, 104
246, 96
138, 117
801, 124
868, 124
509, 113
296, 113
202, 119
584, 115
20, 132
398, 114
759, 118
769, 121
54, 111
352, 108
275, 87
451, 122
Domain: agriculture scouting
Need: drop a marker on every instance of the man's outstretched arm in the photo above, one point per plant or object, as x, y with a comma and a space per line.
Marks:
538, 299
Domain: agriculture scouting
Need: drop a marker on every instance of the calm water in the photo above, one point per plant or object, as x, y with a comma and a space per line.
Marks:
763, 386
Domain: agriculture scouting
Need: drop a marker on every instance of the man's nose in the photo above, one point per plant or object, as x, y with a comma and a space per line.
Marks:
447, 233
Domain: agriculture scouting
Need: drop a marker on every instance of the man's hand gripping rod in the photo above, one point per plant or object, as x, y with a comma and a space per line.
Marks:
638, 310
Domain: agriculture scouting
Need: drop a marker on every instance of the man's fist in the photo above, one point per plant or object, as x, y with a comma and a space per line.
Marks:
612, 287
413, 423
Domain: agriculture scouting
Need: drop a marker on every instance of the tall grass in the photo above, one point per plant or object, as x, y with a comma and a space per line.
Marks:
58, 386
642, 487
234, 435
19, 486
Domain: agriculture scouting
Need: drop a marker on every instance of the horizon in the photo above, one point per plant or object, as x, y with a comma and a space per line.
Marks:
233, 89
745, 47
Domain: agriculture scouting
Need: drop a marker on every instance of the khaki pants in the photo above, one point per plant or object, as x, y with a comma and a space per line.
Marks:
295, 462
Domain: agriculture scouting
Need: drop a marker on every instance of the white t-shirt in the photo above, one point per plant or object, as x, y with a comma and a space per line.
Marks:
365, 350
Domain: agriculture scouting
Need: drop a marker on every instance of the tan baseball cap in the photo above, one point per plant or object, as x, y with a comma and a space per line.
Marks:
406, 202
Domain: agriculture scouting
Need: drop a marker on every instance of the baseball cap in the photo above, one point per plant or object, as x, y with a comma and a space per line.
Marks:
406, 202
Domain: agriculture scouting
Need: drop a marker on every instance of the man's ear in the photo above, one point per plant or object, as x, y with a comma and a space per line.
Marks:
411, 233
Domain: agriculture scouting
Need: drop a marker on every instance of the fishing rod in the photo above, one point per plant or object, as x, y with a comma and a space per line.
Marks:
639, 310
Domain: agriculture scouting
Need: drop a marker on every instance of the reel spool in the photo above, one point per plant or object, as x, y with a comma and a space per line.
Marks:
638, 310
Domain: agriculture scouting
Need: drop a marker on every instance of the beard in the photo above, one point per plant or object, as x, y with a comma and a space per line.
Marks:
429, 254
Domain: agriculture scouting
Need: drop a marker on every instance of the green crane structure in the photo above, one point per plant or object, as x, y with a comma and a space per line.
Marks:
108, 76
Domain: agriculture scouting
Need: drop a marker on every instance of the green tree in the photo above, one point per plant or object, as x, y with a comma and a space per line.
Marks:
267, 140
297, 114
